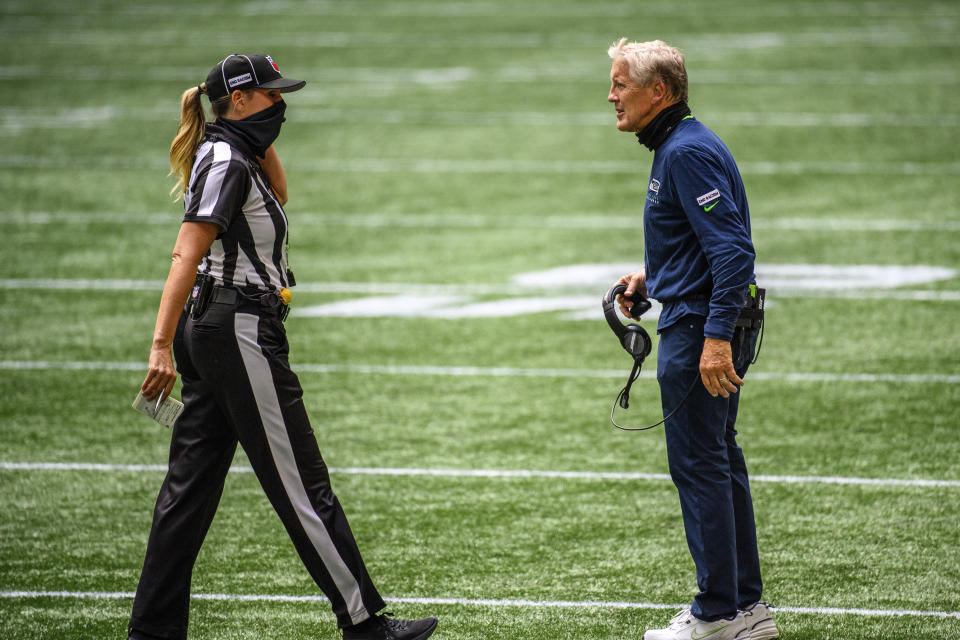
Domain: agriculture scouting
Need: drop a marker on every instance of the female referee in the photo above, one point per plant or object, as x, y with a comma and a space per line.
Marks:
222, 313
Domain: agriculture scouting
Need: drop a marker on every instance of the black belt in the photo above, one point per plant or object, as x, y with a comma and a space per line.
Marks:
751, 315
692, 297
266, 303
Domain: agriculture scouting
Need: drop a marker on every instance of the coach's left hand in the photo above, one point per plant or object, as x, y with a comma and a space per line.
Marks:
716, 368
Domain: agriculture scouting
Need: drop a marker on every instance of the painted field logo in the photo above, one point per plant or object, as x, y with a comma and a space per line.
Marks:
708, 197
655, 186
574, 291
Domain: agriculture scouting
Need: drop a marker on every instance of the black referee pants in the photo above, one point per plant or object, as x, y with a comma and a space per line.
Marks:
238, 387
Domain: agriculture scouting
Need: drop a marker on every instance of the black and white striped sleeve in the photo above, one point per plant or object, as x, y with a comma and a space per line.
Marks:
219, 185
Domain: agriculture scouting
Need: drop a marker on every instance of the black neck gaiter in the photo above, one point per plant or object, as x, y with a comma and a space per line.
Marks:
252, 135
660, 128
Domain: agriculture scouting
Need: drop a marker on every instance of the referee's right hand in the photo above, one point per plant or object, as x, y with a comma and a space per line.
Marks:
161, 374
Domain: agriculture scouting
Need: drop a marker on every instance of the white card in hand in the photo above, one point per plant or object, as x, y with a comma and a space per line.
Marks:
166, 413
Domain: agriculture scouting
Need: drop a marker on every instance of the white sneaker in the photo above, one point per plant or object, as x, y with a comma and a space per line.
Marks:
686, 626
759, 621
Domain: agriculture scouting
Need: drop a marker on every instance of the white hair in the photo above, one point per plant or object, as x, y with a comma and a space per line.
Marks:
652, 61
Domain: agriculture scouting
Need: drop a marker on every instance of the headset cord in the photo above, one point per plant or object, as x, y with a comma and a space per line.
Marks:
756, 354
623, 399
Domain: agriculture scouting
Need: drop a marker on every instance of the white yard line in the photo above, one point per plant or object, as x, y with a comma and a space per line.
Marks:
484, 221
469, 10
81, 284
497, 474
409, 288
495, 166
366, 81
359, 81
479, 602
22, 118
159, 35
589, 167
467, 371
599, 118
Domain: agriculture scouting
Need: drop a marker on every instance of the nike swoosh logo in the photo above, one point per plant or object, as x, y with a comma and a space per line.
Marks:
697, 636
707, 209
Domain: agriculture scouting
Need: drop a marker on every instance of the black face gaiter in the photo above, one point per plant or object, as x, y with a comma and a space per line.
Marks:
662, 125
256, 132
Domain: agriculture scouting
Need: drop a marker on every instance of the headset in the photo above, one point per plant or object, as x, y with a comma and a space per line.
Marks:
633, 337
636, 341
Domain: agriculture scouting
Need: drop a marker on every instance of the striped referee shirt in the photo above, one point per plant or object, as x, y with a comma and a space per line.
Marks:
230, 190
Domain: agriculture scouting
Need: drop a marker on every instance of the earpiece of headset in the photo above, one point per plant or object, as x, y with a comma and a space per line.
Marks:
633, 338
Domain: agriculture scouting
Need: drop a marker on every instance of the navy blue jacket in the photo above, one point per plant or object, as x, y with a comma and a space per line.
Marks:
696, 227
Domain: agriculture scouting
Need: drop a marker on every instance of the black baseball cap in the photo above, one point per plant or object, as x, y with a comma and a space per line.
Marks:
247, 71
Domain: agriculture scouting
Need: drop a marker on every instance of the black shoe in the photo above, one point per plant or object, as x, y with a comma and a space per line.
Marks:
386, 627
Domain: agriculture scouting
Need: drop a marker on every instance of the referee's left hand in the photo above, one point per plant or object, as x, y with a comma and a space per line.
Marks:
161, 374
716, 368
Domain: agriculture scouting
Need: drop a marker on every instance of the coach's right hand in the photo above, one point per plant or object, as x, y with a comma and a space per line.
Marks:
636, 281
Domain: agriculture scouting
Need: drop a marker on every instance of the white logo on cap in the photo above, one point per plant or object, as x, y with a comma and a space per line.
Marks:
240, 80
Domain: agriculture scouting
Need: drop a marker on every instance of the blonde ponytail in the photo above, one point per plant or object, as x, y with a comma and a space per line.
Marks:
184, 145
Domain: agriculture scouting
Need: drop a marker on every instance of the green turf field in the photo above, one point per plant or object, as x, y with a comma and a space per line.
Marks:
460, 200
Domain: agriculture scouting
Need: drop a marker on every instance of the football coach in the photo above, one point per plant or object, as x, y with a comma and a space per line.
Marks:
699, 263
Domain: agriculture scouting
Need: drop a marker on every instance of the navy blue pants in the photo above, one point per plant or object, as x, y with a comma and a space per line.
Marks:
709, 471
